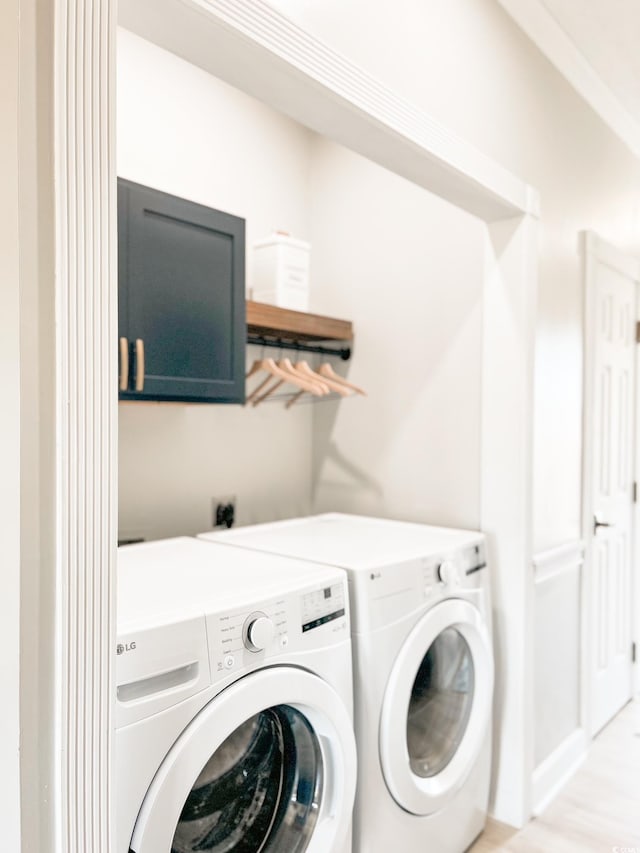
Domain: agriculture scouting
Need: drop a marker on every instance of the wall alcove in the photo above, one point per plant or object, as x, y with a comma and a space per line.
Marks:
251, 46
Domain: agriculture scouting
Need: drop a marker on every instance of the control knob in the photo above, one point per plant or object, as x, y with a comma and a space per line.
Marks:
447, 572
260, 633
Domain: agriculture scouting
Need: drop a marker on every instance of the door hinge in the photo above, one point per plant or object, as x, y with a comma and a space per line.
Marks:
634, 493
633, 652
638, 332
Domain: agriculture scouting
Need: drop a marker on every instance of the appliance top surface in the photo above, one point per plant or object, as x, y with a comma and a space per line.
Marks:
351, 542
178, 577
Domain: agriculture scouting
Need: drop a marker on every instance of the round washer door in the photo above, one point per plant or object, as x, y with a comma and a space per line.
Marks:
267, 765
437, 707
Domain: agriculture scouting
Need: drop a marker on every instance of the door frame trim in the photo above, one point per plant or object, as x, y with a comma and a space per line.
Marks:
635, 575
595, 251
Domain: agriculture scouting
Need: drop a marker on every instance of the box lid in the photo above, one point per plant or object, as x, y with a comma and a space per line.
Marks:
281, 239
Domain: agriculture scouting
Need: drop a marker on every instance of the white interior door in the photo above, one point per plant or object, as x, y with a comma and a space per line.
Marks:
609, 459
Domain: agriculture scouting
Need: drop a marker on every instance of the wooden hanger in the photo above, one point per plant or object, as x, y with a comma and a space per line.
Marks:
255, 367
282, 376
305, 370
258, 365
308, 388
286, 365
257, 398
327, 372
310, 376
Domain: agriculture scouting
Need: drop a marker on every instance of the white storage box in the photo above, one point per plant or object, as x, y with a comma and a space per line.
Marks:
281, 272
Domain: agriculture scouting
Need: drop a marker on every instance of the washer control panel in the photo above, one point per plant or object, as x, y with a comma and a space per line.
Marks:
234, 635
258, 632
246, 637
322, 606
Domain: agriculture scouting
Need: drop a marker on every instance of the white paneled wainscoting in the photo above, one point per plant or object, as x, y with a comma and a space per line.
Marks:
560, 736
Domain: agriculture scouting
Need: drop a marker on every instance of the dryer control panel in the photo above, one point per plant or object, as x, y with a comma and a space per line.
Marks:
388, 593
447, 572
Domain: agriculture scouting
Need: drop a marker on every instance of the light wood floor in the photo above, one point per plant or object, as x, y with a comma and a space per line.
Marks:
599, 808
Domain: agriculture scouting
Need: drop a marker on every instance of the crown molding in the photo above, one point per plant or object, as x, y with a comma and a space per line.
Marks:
546, 33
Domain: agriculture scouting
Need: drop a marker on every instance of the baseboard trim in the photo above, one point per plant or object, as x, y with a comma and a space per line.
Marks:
554, 772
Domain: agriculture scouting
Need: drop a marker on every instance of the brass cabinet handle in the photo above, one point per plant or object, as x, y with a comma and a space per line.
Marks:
124, 364
139, 364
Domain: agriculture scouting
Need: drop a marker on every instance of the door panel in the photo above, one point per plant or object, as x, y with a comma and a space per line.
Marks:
268, 765
437, 707
181, 289
176, 309
609, 518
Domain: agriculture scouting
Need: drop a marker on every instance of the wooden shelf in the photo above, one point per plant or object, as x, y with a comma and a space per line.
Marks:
277, 322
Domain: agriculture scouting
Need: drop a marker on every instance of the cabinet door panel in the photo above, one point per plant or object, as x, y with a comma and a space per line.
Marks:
184, 292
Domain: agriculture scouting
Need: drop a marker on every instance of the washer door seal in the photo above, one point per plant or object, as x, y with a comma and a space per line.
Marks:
444, 673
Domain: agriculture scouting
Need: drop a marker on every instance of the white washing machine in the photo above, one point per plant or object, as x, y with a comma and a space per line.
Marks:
423, 672
234, 702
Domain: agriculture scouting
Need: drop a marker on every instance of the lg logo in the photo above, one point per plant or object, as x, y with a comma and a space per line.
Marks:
121, 648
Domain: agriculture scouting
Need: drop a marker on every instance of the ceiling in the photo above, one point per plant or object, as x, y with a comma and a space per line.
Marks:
607, 33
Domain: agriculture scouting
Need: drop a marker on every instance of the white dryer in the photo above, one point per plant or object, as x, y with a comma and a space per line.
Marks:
234, 702
423, 672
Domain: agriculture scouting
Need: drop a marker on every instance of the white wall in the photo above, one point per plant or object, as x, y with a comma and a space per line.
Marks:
557, 664
466, 63
385, 254
182, 131
407, 268
28, 724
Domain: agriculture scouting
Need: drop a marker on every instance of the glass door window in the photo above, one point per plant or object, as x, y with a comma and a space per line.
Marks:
440, 703
260, 792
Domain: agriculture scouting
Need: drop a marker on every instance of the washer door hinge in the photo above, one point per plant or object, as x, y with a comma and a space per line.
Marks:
633, 652
634, 493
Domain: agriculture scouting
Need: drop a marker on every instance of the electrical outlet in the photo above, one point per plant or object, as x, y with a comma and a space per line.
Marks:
224, 511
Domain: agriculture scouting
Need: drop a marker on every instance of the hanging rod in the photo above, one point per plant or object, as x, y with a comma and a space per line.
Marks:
258, 340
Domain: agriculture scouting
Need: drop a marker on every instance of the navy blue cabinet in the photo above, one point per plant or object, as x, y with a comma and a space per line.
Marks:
181, 313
